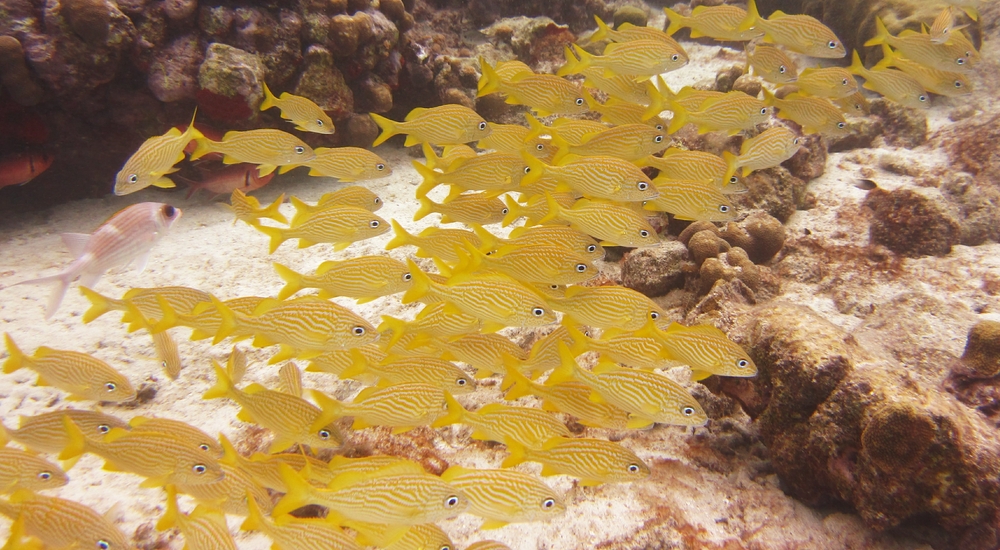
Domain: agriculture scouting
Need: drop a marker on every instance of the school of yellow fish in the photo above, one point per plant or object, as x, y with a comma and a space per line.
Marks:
579, 184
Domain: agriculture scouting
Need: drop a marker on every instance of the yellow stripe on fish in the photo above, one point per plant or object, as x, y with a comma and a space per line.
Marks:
571, 130
154, 159
609, 307
895, 85
627, 31
828, 82
494, 173
689, 98
203, 529
298, 534
363, 278
799, 33
79, 374
641, 58
613, 224
229, 493
623, 87
508, 69
249, 210
946, 83
505, 496
772, 64
592, 461
425, 537
730, 113
443, 125
181, 298
574, 241
628, 141
718, 22
347, 164
301, 111
814, 114
266, 147
487, 545
46, 432
501, 423
766, 150
706, 349
919, 48
433, 242
291, 418
194, 437
340, 226
532, 265
60, 523
353, 195
691, 200
536, 207
678, 164
434, 320
467, 208
616, 111
943, 26
483, 352
571, 398
854, 104
404, 370
265, 472
401, 407
24, 470
625, 348
545, 94
205, 319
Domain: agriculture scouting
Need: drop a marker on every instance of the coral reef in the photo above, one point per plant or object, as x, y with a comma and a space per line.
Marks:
909, 223
656, 270
982, 350
14, 73
230, 83
89, 19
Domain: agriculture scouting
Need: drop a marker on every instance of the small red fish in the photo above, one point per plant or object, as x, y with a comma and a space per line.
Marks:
225, 180
20, 168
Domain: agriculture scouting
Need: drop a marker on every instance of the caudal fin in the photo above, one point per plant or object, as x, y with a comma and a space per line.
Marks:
293, 281
16, 359
677, 21
275, 233
401, 238
881, 33
388, 128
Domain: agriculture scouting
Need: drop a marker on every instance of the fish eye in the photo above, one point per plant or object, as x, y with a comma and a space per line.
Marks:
380, 167
743, 363
199, 469
133, 178
922, 97
319, 122
548, 503
299, 149
163, 364
540, 147
843, 82
482, 125
169, 211
659, 127
45, 476
461, 382
782, 69
104, 428
763, 111
358, 331
580, 268
733, 179
723, 208
832, 44
527, 169
111, 386
451, 501
633, 468
407, 276
658, 139
504, 211
687, 411
378, 200
373, 224
579, 101
674, 57
103, 544
968, 54
654, 315
643, 233
324, 434
958, 83
795, 141
445, 547
642, 186
841, 125
960, 61
204, 447
592, 248
538, 312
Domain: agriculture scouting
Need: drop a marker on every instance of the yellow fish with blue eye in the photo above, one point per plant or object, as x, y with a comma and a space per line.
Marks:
640, 58
59, 523
402, 370
287, 533
80, 374
528, 426
21, 469
800, 33
532, 265
266, 147
545, 94
612, 223
347, 164
443, 125
730, 113
203, 529
301, 111
592, 461
363, 278
505, 496
340, 226
705, 348
609, 307
627, 141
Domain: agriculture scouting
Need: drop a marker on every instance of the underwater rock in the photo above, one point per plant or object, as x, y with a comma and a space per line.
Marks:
748, 85
179, 10
655, 270
322, 82
861, 134
636, 15
909, 223
276, 42
151, 30
725, 78
343, 35
706, 244
14, 74
810, 161
901, 126
393, 9
577, 14
761, 235
729, 265
215, 21
775, 191
173, 74
982, 349
977, 200
360, 131
373, 94
89, 19
376, 39
229, 83
538, 41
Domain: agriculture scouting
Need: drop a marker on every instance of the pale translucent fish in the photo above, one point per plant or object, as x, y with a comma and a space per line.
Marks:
894, 85
592, 461
799, 33
433, 242
25, 470
730, 113
249, 210
289, 533
613, 224
154, 159
718, 22
467, 208
501, 423
80, 374
609, 307
772, 64
46, 432
402, 406
363, 278
61, 523
919, 48
203, 529
640, 58
347, 164
828, 82
572, 398
706, 349
765, 150
505, 496
301, 111
691, 200
193, 436
944, 83
126, 237
340, 226
492, 172
628, 141
814, 114
545, 94
443, 125
266, 147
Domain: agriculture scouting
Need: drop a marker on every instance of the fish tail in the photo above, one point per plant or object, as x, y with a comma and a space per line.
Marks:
426, 208
298, 491
574, 65
656, 101
275, 233
769, 98
536, 127
554, 209
388, 128
77, 444
421, 284
293, 281
513, 211
752, 17
514, 381
203, 147
566, 370
255, 518
168, 317
562, 149
881, 33
358, 366
490, 82
602, 30
456, 412
971, 12
430, 179
397, 326
401, 238
192, 132
99, 305
302, 211
273, 210
488, 241
888, 58
517, 454
732, 164
223, 383
229, 321
16, 359
535, 165
169, 518
677, 21
857, 67
680, 118
269, 99
4, 435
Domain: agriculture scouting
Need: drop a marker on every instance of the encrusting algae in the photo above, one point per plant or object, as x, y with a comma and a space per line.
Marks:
582, 184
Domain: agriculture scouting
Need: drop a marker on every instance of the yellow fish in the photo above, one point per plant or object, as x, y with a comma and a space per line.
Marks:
203, 529
354, 195
487, 545
768, 149
433, 242
730, 113
641, 58
229, 493
919, 48
401, 406
300, 111
24, 470
181, 298
443, 125
718, 22
291, 418
433, 320
154, 159
569, 129
616, 112
494, 173
574, 241
627, 31
398, 499
706, 349
678, 164
422, 537
622, 87
514, 138
536, 207
505, 496
290, 379
501, 423
483, 352
944, 83
772, 64
194, 437
814, 114
648, 397
592, 461
467, 208
800, 33
829, 82
264, 471
449, 154
613, 224
691, 200
544, 354
624, 348
944, 25
689, 98
205, 319
510, 68
80, 374
60, 523
266, 147
249, 210
382, 464
854, 104
545, 94
347, 164
363, 278
287, 533
160, 458
340, 226
533, 265
498, 300
572, 398
403, 370
46, 432
894, 85
609, 307
628, 141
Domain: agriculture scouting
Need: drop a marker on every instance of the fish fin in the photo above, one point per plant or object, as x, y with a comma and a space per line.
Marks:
574, 66
881, 33
589, 482
732, 164
77, 444
456, 412
753, 16
265, 169
426, 208
637, 423
276, 235
293, 281
414, 113
549, 471
401, 429
492, 524
517, 454
16, 358
430, 179
298, 492
422, 284
491, 327
223, 384
203, 146
280, 443
269, 99
164, 183
490, 81
75, 242
680, 118
857, 67
169, 518
677, 21
698, 375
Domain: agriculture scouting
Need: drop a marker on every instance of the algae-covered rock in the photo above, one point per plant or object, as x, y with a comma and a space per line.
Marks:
173, 74
729, 265
635, 15
775, 191
14, 74
230, 83
982, 349
532, 39
909, 223
372, 94
901, 126
89, 19
179, 10
656, 270
323, 83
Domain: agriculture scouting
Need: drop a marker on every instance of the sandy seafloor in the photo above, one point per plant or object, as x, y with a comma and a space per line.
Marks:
207, 251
